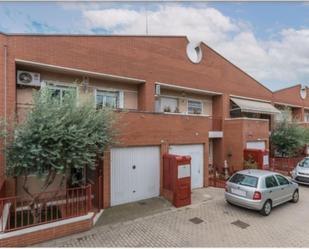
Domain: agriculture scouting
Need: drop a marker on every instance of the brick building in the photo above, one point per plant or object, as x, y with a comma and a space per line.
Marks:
165, 101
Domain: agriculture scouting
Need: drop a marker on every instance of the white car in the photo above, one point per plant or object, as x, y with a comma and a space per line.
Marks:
301, 172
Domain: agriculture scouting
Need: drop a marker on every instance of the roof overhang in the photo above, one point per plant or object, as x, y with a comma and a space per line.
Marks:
187, 89
246, 105
75, 71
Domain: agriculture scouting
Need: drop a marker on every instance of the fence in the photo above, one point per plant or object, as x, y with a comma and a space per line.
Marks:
216, 182
284, 165
22, 212
217, 177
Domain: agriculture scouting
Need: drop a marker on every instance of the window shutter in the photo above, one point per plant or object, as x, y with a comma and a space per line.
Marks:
121, 99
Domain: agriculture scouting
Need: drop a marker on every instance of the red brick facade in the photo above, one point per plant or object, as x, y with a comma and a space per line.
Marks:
152, 59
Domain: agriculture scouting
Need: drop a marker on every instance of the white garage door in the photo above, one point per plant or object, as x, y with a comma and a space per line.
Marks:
196, 151
135, 174
256, 145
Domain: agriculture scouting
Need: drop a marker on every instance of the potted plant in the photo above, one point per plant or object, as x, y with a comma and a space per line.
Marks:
167, 109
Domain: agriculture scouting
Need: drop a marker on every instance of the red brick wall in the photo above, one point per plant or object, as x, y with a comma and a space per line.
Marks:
2, 80
237, 132
142, 129
291, 95
47, 234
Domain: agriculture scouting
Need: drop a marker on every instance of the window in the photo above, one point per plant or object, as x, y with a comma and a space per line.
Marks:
307, 116
168, 104
282, 180
195, 107
109, 99
59, 91
270, 182
245, 180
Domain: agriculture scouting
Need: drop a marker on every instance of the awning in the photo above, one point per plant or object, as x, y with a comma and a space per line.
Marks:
246, 105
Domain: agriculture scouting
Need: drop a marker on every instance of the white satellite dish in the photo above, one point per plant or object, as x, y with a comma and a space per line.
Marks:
194, 52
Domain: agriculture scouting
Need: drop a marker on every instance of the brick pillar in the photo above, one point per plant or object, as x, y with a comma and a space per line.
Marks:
146, 96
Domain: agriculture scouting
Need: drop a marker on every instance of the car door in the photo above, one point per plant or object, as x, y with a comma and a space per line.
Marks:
285, 188
273, 190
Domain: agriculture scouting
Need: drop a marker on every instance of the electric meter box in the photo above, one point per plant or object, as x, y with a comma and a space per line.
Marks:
177, 179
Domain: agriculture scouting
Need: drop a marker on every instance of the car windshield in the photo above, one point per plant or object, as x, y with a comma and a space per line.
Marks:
244, 180
304, 163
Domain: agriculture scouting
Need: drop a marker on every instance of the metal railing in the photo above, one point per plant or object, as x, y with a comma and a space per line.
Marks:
20, 212
284, 165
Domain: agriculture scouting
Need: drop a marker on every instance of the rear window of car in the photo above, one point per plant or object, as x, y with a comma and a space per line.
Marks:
245, 180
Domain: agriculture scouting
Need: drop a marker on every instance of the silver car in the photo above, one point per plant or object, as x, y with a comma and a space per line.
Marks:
301, 172
260, 190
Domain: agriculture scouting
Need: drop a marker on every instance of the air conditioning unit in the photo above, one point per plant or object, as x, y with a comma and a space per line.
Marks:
28, 78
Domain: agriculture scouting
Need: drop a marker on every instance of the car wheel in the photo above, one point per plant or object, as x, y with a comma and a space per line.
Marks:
266, 208
228, 202
295, 196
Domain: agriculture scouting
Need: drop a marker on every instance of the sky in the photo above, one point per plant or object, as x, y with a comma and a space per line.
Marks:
268, 40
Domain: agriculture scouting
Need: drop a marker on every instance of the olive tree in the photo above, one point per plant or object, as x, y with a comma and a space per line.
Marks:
288, 138
57, 136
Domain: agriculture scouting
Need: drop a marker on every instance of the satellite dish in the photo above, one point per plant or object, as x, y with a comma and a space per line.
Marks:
303, 92
194, 52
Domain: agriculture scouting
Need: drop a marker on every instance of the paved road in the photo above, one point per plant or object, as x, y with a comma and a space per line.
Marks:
286, 226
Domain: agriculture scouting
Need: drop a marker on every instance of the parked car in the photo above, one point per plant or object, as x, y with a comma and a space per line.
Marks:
260, 190
301, 172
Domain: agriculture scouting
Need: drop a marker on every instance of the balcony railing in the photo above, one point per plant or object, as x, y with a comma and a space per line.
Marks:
20, 212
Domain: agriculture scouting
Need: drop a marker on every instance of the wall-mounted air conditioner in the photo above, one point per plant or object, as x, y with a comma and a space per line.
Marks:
28, 78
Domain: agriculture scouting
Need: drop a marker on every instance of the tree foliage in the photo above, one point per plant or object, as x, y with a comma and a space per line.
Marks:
58, 136
288, 138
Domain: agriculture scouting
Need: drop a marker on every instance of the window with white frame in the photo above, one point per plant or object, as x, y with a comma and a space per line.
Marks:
60, 90
195, 107
168, 104
111, 99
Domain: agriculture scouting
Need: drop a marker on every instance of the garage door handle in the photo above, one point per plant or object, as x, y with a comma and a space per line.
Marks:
133, 167
270, 191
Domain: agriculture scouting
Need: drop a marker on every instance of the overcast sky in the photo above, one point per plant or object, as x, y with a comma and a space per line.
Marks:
270, 41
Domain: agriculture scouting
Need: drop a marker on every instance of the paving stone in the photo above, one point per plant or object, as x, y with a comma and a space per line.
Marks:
286, 226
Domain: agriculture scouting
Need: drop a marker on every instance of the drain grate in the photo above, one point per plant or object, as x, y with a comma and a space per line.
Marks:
196, 220
240, 224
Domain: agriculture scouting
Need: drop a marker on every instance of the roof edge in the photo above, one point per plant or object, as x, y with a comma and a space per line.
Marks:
238, 68
91, 35
286, 88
